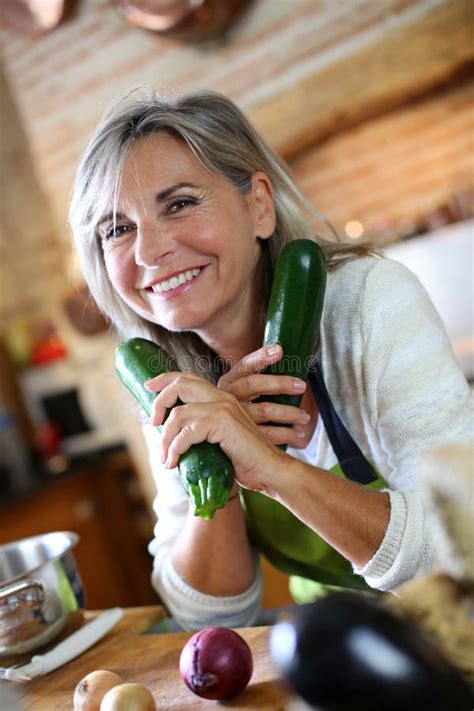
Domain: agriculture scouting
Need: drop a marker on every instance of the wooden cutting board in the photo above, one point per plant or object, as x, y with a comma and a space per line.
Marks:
152, 660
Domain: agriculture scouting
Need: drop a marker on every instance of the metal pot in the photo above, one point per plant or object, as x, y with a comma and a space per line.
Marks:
40, 587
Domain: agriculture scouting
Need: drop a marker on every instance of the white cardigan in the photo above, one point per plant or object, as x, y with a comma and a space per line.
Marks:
393, 379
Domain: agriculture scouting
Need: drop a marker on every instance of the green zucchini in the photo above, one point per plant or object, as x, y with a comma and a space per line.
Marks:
206, 473
294, 311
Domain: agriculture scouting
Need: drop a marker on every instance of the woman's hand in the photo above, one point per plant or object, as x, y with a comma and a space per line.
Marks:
212, 415
247, 383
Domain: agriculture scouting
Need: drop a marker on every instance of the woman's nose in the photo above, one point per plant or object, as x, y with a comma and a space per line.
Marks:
151, 244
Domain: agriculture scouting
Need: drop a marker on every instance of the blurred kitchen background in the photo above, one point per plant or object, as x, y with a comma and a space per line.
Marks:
371, 103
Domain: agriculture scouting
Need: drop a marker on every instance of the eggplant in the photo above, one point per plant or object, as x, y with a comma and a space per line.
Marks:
346, 652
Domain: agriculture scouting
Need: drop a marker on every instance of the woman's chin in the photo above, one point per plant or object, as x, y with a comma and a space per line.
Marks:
172, 319
176, 323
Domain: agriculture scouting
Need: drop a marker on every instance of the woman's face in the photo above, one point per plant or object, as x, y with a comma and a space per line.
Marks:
184, 246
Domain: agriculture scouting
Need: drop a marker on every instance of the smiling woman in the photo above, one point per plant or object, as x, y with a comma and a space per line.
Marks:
179, 213
170, 240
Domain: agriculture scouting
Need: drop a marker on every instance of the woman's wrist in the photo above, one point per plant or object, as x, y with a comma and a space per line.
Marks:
279, 476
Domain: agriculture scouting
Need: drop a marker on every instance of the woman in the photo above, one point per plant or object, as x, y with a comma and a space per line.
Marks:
178, 212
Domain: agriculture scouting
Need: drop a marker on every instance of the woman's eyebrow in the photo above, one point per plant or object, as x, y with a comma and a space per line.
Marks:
110, 216
163, 194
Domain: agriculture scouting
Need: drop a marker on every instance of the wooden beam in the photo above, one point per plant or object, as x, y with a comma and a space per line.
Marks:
405, 62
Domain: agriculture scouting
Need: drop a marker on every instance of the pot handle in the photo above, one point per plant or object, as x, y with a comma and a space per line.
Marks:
26, 593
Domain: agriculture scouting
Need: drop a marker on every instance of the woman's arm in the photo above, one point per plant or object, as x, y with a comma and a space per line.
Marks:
349, 517
400, 391
192, 602
214, 556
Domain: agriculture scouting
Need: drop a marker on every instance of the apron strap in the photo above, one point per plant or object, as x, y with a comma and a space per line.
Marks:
353, 463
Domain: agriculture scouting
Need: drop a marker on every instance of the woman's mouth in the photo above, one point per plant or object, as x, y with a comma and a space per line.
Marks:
176, 284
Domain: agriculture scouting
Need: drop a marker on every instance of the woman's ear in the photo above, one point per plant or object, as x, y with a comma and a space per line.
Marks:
262, 205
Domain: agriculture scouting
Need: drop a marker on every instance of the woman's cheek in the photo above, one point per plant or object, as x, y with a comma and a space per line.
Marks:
119, 270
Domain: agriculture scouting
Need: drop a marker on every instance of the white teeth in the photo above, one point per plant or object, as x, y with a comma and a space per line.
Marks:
175, 281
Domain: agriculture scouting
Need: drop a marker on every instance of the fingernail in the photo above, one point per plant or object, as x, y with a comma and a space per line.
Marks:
305, 417
299, 385
300, 434
273, 349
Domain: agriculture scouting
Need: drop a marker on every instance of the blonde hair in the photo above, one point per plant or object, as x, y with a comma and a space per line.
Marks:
224, 141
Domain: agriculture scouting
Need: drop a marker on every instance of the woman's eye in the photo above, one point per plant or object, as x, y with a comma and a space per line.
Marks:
115, 231
180, 204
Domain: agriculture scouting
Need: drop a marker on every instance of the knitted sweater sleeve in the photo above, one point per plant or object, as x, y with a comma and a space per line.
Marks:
417, 398
189, 607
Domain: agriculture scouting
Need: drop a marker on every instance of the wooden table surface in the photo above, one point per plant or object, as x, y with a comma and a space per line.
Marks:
152, 660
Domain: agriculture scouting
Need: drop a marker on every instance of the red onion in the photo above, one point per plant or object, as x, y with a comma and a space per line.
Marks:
216, 663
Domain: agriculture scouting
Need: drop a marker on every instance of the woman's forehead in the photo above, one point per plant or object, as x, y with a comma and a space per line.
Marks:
159, 153
157, 162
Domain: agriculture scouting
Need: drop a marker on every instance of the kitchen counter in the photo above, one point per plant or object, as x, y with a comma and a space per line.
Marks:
152, 660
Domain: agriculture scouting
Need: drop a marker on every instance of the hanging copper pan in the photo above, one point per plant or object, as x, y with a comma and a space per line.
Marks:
193, 20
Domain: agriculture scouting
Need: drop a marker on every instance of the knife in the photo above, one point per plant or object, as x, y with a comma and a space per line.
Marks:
68, 649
